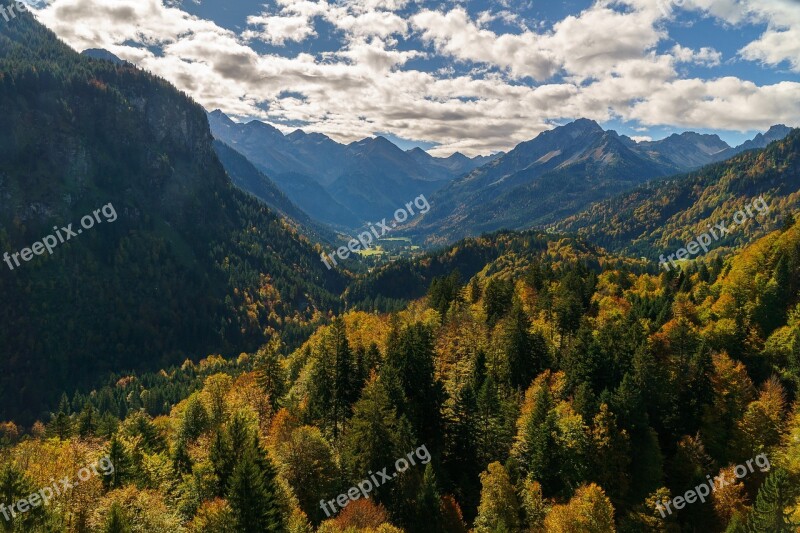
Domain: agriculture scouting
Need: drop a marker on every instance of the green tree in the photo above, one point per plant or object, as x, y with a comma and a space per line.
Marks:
122, 465
410, 364
195, 419
772, 511
270, 373
525, 352
117, 522
88, 421
252, 495
61, 424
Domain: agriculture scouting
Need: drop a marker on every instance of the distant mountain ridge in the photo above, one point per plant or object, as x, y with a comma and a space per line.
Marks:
559, 173
367, 179
663, 215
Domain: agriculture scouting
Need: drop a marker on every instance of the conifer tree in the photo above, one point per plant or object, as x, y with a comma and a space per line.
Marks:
122, 465
252, 496
116, 521
772, 511
61, 425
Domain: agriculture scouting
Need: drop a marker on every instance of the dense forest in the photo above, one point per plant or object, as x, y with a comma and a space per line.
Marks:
552, 394
193, 265
515, 382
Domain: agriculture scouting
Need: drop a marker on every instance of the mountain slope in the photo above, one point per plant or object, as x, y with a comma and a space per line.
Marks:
559, 173
190, 265
775, 133
553, 175
687, 150
664, 215
247, 177
364, 180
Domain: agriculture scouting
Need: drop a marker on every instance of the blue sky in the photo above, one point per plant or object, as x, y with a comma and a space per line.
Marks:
473, 76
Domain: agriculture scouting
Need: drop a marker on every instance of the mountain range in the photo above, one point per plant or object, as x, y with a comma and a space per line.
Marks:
561, 172
344, 185
555, 175
663, 215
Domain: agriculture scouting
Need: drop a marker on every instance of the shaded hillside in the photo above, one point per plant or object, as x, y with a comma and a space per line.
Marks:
248, 178
190, 266
663, 215
338, 184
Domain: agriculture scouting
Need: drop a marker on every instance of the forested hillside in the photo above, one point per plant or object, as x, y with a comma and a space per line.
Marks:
190, 265
665, 215
550, 395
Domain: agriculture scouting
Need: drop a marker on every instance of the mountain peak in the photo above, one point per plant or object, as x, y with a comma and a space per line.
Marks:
584, 124
101, 53
219, 115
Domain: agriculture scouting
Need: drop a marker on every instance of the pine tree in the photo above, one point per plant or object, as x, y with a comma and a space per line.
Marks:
252, 496
122, 465
181, 461
771, 513
525, 352
334, 383
270, 373
410, 364
220, 456
376, 436
61, 425
88, 421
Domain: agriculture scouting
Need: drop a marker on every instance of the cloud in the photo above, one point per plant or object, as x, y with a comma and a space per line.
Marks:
279, 29
442, 76
706, 56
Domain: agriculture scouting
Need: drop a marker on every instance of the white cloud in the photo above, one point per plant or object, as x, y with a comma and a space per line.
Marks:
279, 29
706, 56
602, 63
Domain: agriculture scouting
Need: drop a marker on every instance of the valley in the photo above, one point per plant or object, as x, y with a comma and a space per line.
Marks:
262, 327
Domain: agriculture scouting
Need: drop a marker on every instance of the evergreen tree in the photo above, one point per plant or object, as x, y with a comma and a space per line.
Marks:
61, 425
525, 352
410, 362
270, 374
772, 511
252, 496
497, 299
117, 522
88, 421
334, 383
122, 465
181, 461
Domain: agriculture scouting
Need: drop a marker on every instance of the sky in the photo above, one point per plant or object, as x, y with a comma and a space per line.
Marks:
475, 76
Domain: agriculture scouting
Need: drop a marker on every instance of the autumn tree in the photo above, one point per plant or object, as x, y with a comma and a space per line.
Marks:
588, 511
499, 509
